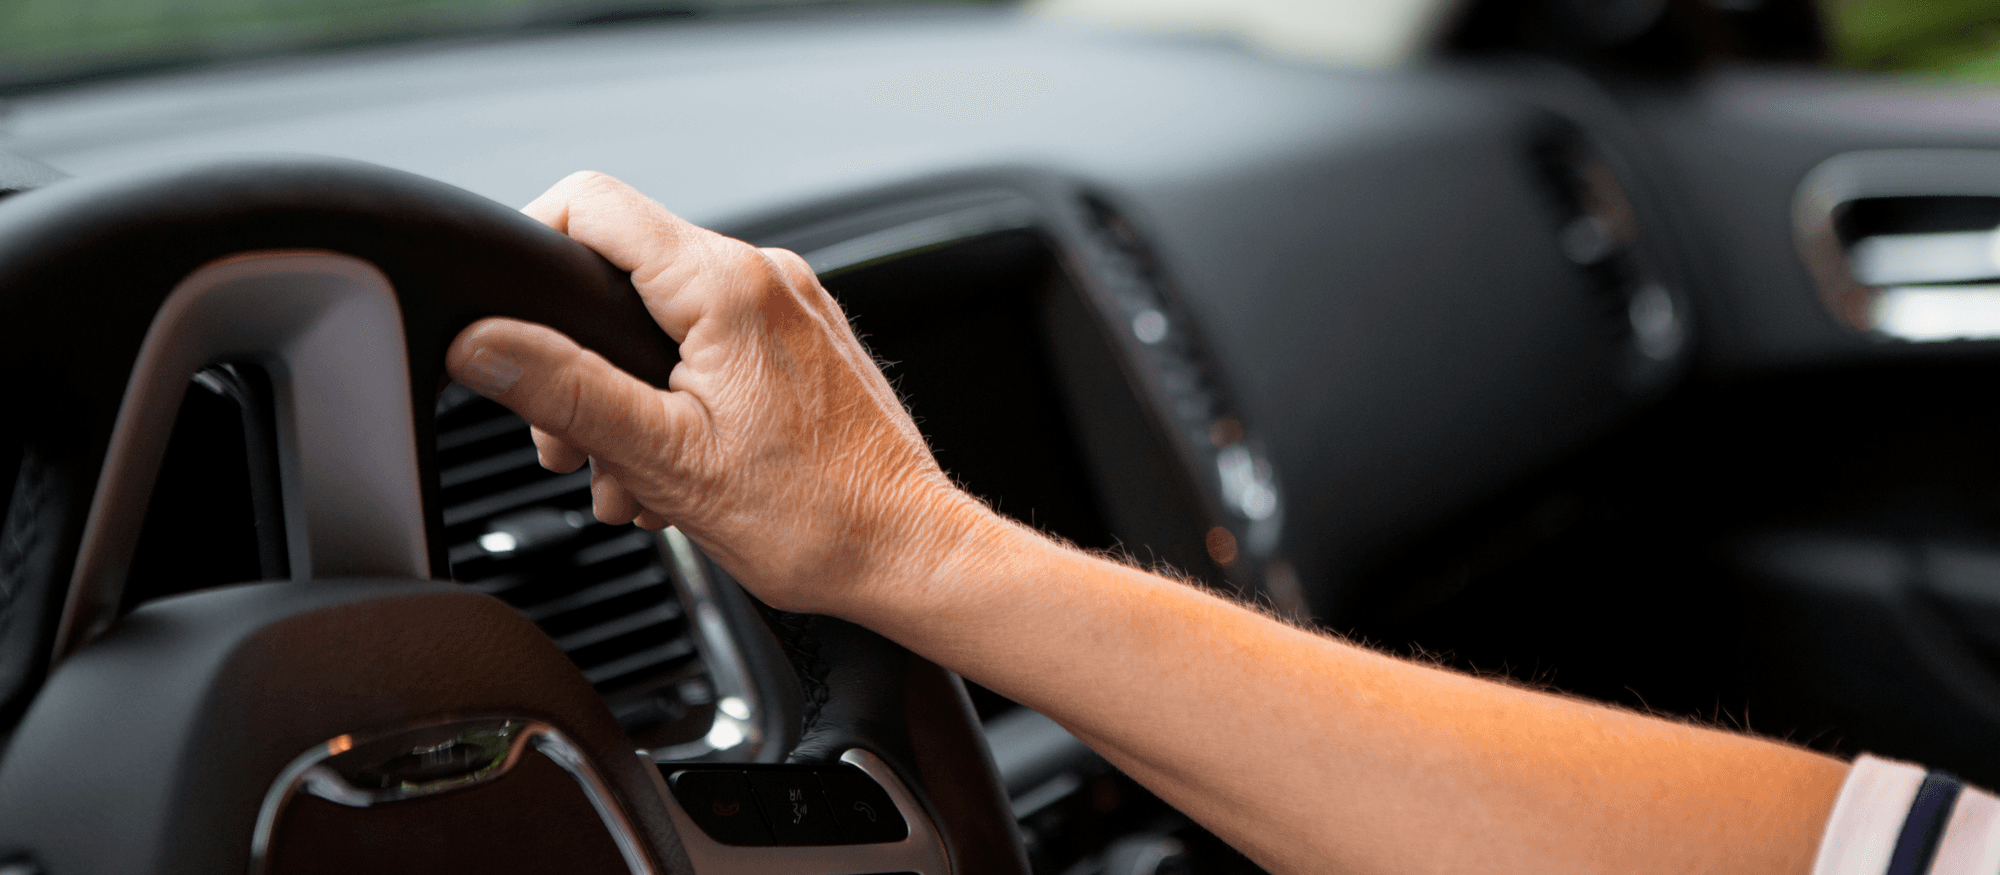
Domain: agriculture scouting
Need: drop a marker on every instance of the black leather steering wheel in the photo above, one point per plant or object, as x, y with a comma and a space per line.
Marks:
172, 738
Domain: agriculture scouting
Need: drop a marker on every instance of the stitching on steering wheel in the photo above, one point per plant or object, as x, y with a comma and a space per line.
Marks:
20, 533
796, 633
21, 536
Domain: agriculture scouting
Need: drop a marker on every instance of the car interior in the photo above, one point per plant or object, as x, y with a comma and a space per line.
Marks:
1642, 351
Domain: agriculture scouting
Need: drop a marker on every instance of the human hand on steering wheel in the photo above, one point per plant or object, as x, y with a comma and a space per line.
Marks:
778, 445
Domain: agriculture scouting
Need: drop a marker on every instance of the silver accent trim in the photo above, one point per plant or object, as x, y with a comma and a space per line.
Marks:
922, 234
329, 330
922, 852
1855, 176
728, 671
1912, 259
312, 773
1241, 494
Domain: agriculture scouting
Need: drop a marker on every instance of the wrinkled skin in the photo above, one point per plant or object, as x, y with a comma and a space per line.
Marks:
778, 446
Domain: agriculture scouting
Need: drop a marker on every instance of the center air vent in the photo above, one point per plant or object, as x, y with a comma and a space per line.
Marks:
603, 593
1193, 400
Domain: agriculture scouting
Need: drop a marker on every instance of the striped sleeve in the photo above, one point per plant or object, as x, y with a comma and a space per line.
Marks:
1897, 819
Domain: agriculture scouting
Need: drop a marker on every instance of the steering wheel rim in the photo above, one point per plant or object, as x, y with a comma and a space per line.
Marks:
94, 265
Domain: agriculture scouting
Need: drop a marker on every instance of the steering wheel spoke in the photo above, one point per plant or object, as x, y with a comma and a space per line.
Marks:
327, 328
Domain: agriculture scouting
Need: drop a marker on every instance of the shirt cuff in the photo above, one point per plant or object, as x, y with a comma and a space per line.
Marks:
1894, 818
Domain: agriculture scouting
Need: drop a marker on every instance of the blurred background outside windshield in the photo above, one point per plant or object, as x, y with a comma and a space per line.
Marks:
47, 41
50, 42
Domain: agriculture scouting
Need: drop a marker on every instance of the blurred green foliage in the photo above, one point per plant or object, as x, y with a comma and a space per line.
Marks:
1957, 39
45, 40
50, 37
48, 40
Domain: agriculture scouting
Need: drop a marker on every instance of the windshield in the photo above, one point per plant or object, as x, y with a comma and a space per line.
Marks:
50, 41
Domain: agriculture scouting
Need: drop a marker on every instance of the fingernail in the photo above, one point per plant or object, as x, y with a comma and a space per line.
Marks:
490, 373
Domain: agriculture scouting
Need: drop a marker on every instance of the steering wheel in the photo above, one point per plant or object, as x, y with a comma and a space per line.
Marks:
363, 712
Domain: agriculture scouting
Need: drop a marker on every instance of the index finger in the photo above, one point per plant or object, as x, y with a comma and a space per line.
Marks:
569, 393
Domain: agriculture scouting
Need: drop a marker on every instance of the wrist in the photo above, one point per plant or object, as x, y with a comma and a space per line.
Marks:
943, 541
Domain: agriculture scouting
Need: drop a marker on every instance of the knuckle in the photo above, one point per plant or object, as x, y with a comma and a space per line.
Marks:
798, 282
752, 263
748, 275
588, 186
792, 266
567, 414
588, 180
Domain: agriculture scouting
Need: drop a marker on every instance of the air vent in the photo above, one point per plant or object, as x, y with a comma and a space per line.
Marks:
603, 593
1193, 399
1599, 229
1905, 244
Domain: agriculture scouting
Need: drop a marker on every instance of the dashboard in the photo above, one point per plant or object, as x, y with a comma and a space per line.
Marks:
1300, 223
1487, 359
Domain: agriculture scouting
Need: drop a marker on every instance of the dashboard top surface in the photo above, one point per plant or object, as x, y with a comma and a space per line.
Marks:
733, 119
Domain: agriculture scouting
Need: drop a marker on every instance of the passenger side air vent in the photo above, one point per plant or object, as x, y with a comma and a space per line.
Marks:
603, 593
1905, 244
1599, 229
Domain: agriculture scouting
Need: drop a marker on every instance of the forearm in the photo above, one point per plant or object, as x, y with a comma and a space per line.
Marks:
1312, 755
781, 449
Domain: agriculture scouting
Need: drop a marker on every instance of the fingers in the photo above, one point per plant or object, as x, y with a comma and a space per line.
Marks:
609, 500
649, 521
629, 229
681, 271
554, 454
578, 403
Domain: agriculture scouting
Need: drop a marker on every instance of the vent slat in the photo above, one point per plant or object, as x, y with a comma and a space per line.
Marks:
610, 629
623, 545
466, 552
512, 460
498, 584
679, 648
452, 439
610, 589
519, 496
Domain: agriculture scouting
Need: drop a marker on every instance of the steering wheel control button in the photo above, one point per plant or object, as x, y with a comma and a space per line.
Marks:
722, 804
865, 813
797, 809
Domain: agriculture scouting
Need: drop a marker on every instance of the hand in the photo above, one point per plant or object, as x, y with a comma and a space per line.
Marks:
778, 446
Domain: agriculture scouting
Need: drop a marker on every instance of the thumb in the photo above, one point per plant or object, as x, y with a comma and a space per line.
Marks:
568, 392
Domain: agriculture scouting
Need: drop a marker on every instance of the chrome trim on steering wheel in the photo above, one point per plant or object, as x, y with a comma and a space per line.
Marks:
740, 715
329, 330
326, 772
